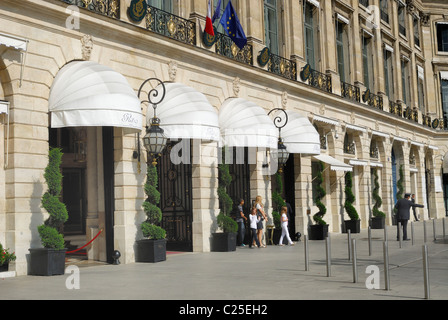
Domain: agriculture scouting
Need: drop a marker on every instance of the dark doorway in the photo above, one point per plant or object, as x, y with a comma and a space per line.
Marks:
109, 194
239, 188
176, 200
289, 193
74, 198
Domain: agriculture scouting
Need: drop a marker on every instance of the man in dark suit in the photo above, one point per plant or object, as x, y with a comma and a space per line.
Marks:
403, 207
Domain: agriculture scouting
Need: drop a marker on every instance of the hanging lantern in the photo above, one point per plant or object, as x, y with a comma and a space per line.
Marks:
282, 155
154, 140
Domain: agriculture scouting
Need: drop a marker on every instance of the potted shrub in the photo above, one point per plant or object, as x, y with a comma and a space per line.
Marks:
277, 204
379, 217
319, 230
5, 258
226, 240
50, 260
153, 247
354, 223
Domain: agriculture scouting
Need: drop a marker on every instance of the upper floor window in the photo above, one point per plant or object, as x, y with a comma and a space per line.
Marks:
365, 3
165, 5
367, 58
406, 81
388, 71
271, 27
444, 91
402, 19
384, 10
222, 8
310, 35
421, 88
417, 32
342, 50
442, 36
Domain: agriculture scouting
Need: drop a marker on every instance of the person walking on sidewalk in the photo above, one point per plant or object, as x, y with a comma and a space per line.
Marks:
241, 219
403, 207
285, 232
253, 217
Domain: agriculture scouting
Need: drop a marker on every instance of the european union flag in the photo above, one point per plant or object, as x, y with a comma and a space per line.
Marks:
232, 26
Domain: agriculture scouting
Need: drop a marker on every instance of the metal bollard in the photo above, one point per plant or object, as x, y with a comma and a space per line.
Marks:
385, 233
434, 229
369, 232
426, 270
307, 261
386, 265
399, 234
355, 267
412, 232
328, 250
443, 227
424, 231
349, 243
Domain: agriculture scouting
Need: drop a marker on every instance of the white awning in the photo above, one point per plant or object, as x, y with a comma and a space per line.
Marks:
355, 128
4, 106
356, 162
185, 113
314, 3
245, 124
342, 19
325, 120
376, 164
299, 135
421, 72
335, 165
444, 75
380, 134
13, 42
86, 94
388, 48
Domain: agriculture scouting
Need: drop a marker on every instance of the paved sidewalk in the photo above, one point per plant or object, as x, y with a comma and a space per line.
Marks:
272, 273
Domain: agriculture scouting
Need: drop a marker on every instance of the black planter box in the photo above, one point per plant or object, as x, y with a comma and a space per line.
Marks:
317, 232
46, 262
4, 267
353, 225
224, 242
377, 223
148, 250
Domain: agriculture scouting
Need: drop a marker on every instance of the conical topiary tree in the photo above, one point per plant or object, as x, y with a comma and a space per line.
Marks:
376, 197
225, 222
50, 231
277, 200
350, 198
150, 228
320, 194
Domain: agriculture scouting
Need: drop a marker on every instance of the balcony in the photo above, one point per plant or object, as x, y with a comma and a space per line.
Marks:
171, 26
319, 80
395, 108
110, 8
373, 100
282, 67
350, 91
224, 46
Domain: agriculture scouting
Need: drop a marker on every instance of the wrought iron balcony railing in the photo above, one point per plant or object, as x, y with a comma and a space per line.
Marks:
373, 100
282, 67
395, 108
320, 80
109, 8
426, 120
224, 46
349, 148
171, 26
350, 91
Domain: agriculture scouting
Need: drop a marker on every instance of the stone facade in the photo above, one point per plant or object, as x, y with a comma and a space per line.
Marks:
58, 33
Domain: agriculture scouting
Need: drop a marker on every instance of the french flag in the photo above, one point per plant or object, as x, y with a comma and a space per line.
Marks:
208, 21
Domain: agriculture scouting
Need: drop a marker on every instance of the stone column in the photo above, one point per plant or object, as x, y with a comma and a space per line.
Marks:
204, 193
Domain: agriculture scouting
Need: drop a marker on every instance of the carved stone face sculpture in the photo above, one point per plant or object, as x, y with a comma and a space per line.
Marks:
87, 47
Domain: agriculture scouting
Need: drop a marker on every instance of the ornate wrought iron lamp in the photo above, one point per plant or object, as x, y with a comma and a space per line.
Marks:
282, 153
155, 139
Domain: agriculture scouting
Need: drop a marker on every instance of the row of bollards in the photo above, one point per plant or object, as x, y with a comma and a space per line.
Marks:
352, 254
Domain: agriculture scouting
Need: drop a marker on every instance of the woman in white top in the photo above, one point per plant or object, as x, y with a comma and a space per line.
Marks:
285, 232
263, 217
253, 228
